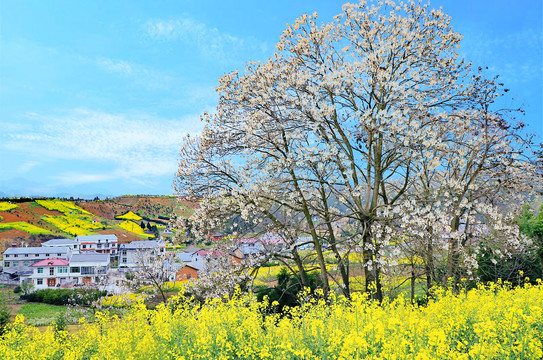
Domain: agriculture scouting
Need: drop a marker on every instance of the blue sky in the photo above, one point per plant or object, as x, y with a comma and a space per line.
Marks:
95, 96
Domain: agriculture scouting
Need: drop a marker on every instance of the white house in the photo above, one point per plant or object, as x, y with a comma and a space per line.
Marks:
102, 243
85, 268
18, 261
50, 273
137, 252
69, 243
88, 267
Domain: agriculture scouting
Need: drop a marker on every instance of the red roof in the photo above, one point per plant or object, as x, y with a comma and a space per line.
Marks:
52, 262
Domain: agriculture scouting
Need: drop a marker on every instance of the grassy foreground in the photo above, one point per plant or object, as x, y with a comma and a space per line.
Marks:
486, 323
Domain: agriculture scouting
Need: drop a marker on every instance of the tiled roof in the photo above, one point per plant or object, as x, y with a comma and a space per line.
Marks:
59, 242
82, 238
52, 262
89, 256
143, 244
36, 250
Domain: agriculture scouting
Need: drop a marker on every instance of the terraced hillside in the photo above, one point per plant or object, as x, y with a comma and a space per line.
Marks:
32, 221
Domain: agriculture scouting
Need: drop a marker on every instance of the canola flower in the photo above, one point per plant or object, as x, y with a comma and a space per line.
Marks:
63, 206
133, 227
73, 224
129, 216
24, 226
5, 206
485, 323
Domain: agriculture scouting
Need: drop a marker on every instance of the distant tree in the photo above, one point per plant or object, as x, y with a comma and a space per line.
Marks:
152, 270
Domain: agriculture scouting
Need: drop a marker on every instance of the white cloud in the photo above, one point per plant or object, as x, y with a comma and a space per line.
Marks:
139, 147
139, 75
27, 166
516, 57
116, 66
210, 41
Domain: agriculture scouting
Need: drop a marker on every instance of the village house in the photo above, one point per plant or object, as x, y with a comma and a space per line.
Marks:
69, 243
88, 267
267, 243
102, 243
187, 272
18, 261
50, 273
85, 268
137, 253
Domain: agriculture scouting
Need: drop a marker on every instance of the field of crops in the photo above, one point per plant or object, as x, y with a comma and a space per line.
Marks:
24, 226
133, 227
5, 206
65, 207
486, 323
129, 216
74, 224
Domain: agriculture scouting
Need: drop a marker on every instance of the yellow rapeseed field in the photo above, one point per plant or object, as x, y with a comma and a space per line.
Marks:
5, 206
133, 227
129, 216
485, 323
24, 226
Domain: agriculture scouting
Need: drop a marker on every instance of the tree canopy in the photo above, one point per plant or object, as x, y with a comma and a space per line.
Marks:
372, 121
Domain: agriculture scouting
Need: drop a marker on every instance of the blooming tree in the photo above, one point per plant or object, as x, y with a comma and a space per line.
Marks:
341, 124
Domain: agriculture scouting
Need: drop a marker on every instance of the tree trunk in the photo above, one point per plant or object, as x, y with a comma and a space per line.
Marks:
429, 268
453, 259
299, 263
372, 272
412, 283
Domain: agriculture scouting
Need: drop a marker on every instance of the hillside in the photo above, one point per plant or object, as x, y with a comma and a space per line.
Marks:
33, 221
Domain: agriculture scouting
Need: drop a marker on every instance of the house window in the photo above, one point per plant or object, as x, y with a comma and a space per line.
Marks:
124, 252
75, 269
87, 270
39, 281
99, 246
51, 271
37, 255
6, 264
26, 263
7, 255
84, 246
51, 282
124, 260
26, 255
15, 255
59, 254
40, 270
188, 276
63, 269
15, 263
47, 255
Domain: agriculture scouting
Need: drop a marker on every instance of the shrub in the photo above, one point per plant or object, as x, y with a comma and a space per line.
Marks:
5, 314
65, 296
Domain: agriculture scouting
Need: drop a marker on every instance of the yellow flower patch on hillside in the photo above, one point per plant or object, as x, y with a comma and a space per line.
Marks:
65, 207
73, 224
133, 227
23, 226
129, 216
5, 206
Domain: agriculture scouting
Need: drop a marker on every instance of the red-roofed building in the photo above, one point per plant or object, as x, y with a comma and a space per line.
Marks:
50, 273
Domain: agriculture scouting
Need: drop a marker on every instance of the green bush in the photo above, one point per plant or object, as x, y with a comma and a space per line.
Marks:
5, 315
65, 296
